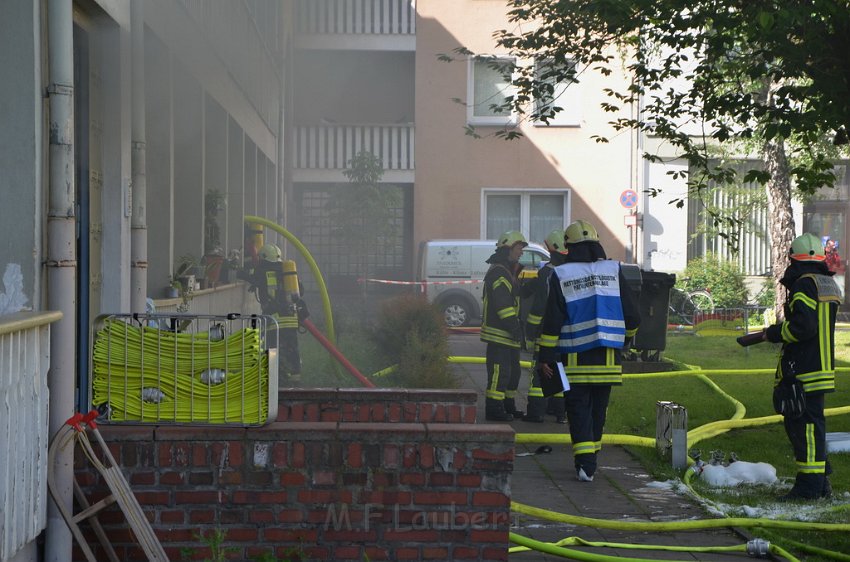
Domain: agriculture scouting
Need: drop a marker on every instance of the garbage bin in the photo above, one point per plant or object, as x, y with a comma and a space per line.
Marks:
651, 338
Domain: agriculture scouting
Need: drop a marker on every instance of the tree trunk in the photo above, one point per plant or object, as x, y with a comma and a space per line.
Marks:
780, 219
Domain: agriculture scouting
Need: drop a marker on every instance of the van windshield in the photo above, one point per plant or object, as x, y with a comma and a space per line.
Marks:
532, 259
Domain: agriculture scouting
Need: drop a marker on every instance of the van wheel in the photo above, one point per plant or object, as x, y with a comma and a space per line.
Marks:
456, 312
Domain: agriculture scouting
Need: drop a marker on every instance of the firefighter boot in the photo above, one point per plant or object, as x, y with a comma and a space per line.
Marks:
536, 406
806, 487
494, 410
558, 408
510, 407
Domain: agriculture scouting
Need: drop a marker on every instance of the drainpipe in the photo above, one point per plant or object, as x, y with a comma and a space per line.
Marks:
61, 262
138, 222
283, 174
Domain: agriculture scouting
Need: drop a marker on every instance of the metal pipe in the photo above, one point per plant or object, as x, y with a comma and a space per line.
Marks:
61, 261
138, 222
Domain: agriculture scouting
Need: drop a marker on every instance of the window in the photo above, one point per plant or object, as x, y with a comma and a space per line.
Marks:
745, 202
564, 94
488, 88
535, 213
840, 191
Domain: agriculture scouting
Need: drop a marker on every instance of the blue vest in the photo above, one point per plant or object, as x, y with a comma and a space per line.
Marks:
594, 317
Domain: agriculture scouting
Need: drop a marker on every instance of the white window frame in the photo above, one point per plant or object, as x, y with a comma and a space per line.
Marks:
567, 96
524, 205
494, 120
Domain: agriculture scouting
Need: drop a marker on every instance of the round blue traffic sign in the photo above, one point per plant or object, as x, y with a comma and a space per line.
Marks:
628, 199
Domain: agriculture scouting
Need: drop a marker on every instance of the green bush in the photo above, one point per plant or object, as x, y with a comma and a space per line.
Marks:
399, 315
411, 333
722, 278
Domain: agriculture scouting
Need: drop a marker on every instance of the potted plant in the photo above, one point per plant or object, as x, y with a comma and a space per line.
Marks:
185, 270
214, 202
232, 265
172, 290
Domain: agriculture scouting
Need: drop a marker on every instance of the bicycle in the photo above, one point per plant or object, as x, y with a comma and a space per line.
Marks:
687, 306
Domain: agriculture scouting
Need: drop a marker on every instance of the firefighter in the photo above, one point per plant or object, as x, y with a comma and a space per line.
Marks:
501, 328
537, 403
277, 290
808, 358
591, 315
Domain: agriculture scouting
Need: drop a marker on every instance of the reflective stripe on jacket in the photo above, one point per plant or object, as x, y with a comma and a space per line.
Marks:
500, 319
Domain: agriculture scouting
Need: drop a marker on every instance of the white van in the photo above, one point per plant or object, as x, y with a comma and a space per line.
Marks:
452, 272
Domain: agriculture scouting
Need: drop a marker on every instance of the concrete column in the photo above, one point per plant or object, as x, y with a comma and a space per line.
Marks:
138, 222
61, 260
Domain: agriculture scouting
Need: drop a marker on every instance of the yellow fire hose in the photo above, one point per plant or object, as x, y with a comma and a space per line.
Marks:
558, 549
698, 434
317, 274
129, 359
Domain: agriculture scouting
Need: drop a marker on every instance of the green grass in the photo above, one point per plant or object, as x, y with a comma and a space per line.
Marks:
632, 411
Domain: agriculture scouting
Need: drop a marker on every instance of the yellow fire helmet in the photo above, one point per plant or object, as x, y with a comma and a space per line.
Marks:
807, 247
510, 238
270, 252
555, 241
580, 231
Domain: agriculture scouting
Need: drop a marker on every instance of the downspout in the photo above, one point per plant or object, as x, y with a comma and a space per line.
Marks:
61, 261
138, 222
283, 167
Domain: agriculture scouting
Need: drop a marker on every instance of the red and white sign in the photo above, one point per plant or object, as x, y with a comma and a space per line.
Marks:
629, 199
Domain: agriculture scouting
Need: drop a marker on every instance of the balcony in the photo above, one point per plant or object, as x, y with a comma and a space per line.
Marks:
360, 24
24, 362
322, 152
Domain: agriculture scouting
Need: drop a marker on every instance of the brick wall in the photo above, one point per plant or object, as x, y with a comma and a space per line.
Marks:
346, 475
377, 405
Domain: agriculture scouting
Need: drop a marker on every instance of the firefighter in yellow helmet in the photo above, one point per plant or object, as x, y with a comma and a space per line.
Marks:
281, 300
501, 328
537, 403
806, 370
590, 317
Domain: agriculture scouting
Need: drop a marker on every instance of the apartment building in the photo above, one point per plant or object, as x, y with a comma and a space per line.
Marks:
120, 120
387, 88
369, 77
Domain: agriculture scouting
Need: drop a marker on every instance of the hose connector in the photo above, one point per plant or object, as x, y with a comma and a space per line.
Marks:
758, 548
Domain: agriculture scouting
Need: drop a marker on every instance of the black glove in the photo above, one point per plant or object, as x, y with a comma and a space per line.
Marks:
773, 333
301, 309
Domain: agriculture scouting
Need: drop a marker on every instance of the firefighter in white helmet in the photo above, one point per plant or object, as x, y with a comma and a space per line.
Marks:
277, 291
807, 363
537, 403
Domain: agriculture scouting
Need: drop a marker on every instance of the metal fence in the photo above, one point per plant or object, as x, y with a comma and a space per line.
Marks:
738, 321
185, 368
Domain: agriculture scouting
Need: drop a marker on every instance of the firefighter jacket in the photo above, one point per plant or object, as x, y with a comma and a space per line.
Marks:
588, 331
500, 319
808, 332
540, 292
268, 280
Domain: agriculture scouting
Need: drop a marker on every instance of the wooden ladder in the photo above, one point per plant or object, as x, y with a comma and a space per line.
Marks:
76, 430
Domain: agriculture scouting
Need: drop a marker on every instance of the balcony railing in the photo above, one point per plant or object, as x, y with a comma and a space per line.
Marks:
332, 147
24, 361
357, 17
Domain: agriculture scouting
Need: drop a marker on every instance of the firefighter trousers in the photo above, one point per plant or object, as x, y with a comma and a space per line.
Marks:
807, 435
587, 407
503, 372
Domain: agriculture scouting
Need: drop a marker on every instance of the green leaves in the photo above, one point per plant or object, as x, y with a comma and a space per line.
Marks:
726, 73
